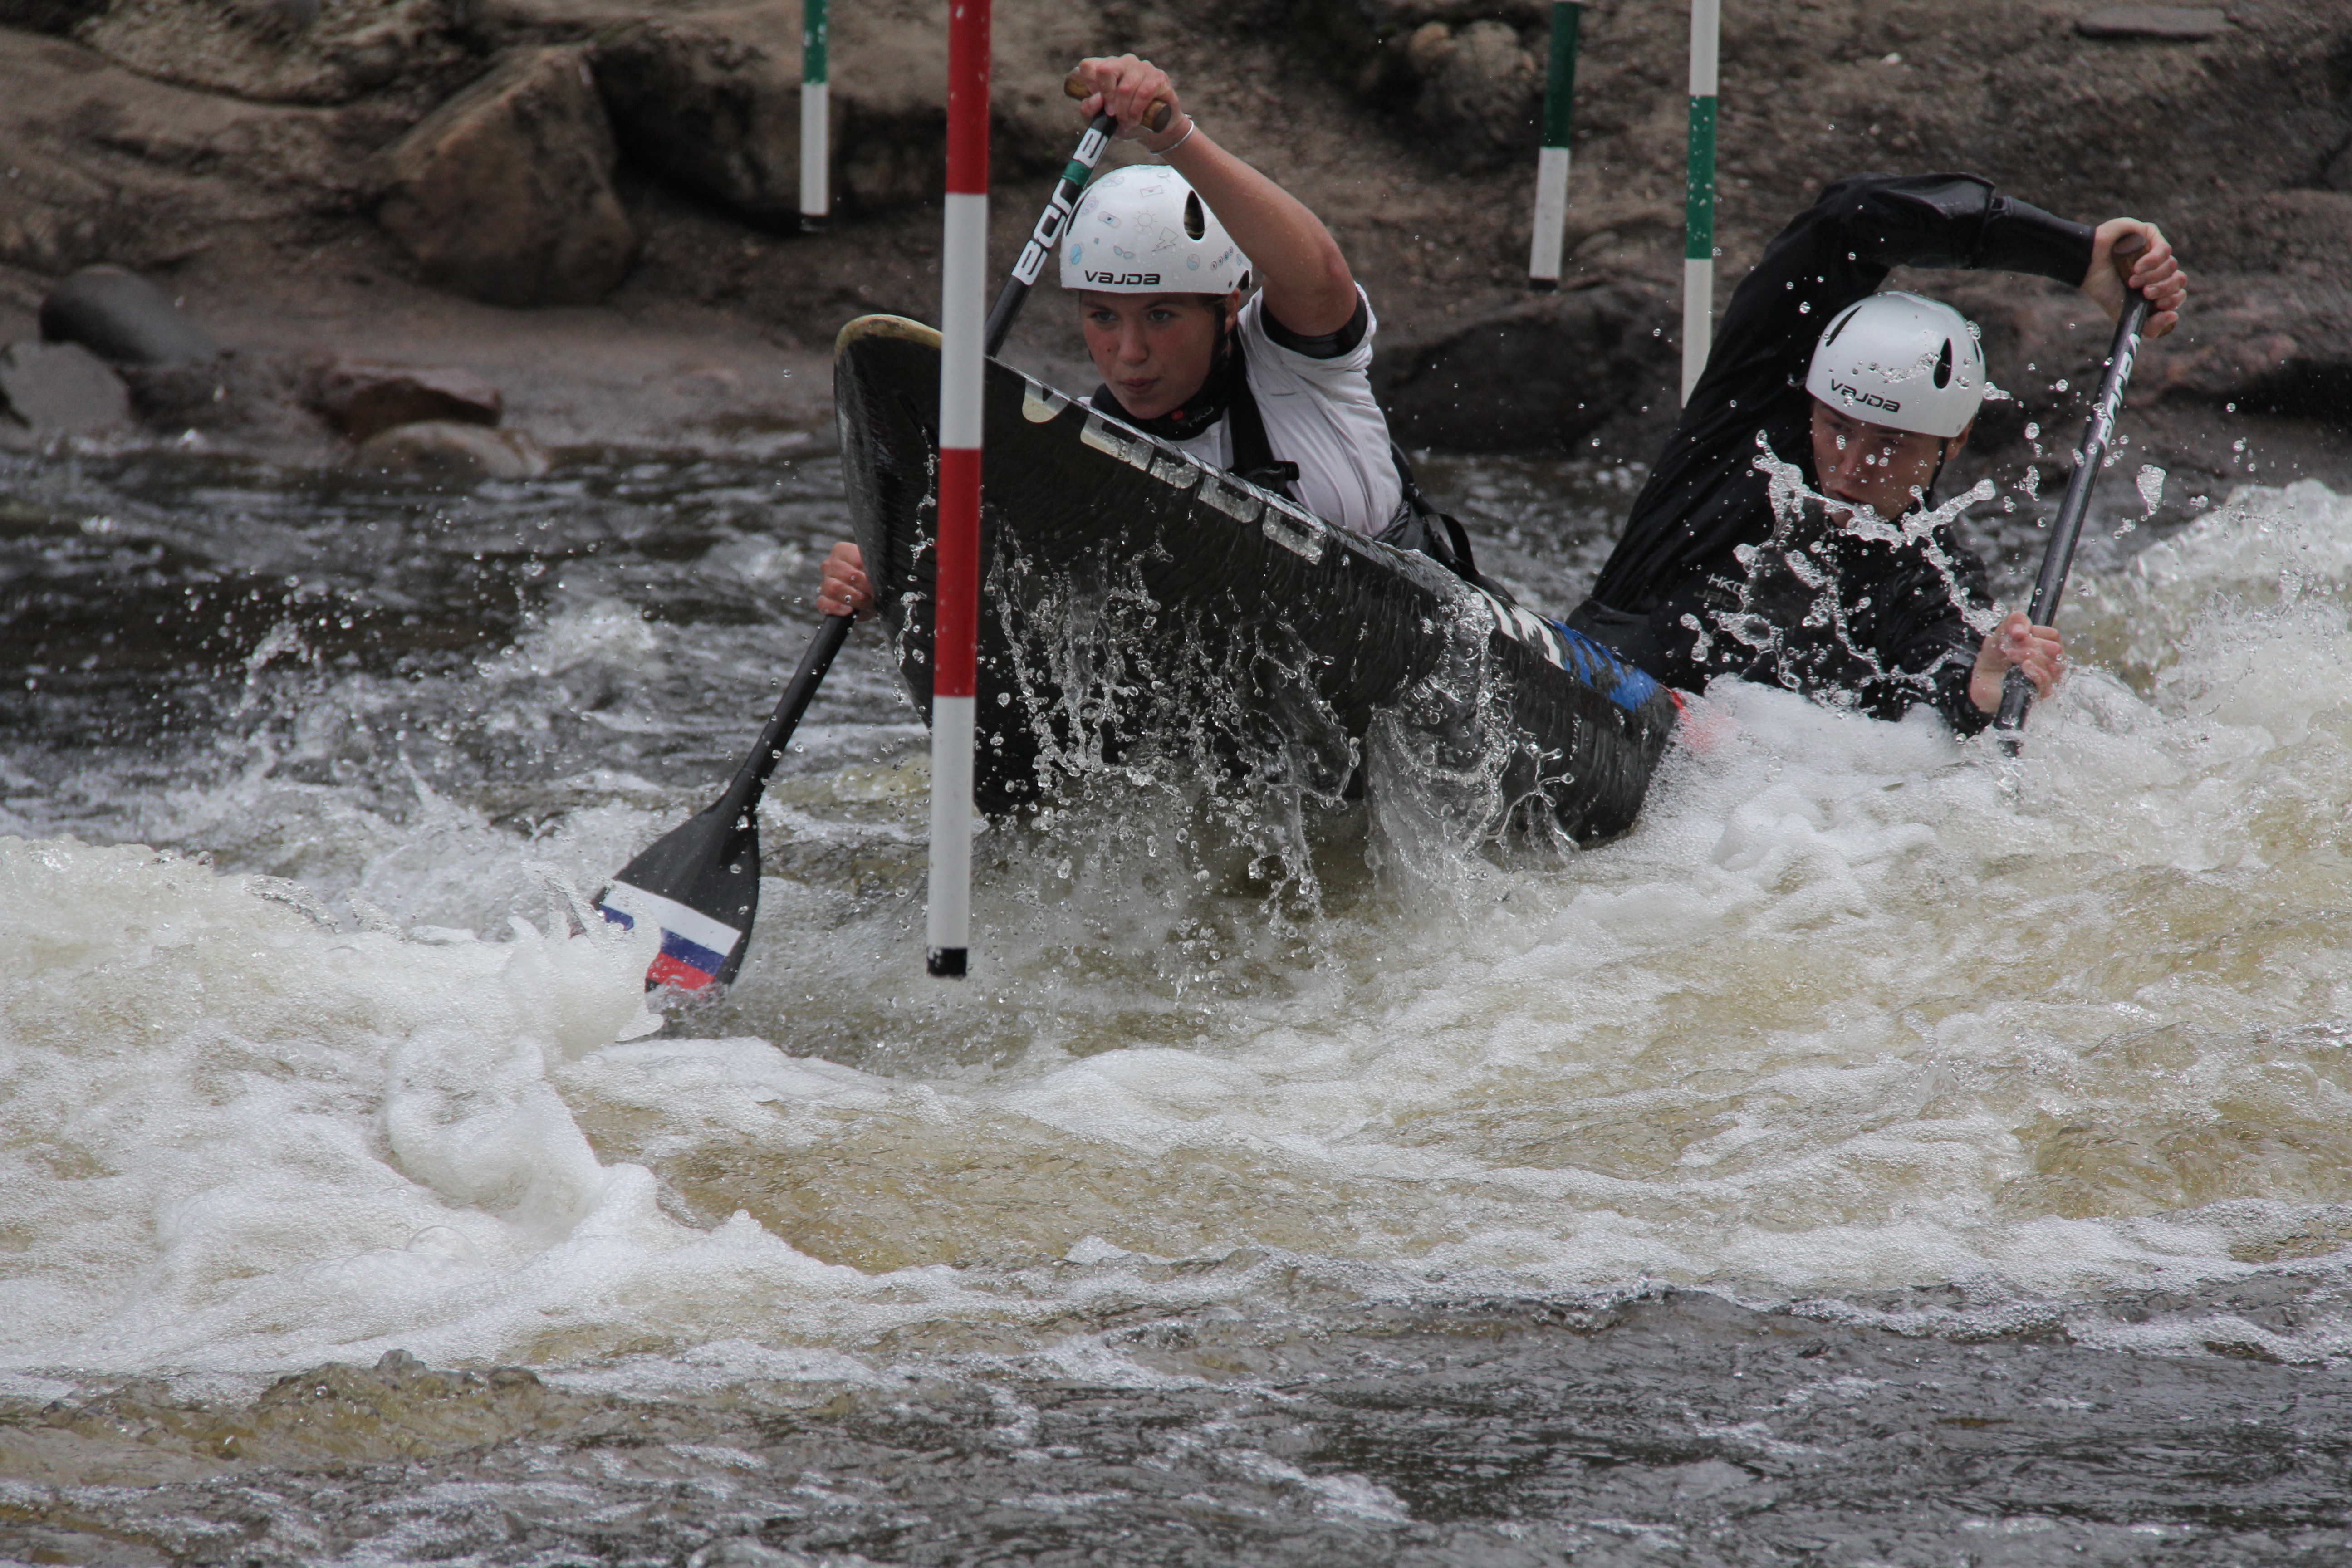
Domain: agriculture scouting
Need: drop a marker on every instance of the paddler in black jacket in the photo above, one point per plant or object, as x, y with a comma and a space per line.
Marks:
1818, 381
1273, 385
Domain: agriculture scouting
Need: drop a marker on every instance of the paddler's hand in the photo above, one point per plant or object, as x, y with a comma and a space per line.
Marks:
2034, 649
845, 591
2154, 273
1125, 87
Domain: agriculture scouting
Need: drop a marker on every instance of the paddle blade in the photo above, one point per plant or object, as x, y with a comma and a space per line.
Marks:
699, 885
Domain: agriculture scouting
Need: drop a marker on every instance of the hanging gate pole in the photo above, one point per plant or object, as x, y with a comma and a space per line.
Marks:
1551, 161
955, 626
816, 126
1698, 196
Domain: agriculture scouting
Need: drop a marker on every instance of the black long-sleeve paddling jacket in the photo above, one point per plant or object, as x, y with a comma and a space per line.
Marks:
1708, 580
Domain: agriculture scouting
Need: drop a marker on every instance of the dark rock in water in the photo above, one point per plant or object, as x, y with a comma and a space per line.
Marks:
59, 16
122, 317
361, 397
443, 452
1537, 375
2179, 23
707, 100
61, 389
504, 193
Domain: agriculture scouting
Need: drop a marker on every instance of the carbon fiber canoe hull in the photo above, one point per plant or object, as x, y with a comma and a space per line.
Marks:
1130, 592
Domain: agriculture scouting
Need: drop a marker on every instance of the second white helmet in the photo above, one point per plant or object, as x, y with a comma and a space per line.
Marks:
1897, 359
1144, 230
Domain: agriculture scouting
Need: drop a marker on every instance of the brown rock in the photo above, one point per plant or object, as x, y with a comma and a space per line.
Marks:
712, 99
2178, 23
1485, 91
61, 389
362, 397
281, 51
505, 192
446, 453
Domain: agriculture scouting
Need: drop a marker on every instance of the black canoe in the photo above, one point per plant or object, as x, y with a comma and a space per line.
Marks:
1133, 598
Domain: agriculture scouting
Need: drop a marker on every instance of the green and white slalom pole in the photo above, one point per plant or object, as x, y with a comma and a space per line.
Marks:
1551, 162
1698, 196
816, 125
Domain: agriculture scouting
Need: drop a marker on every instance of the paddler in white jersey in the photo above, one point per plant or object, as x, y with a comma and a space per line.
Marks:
1276, 386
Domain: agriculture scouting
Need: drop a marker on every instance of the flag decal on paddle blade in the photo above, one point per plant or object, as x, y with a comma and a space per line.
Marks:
694, 945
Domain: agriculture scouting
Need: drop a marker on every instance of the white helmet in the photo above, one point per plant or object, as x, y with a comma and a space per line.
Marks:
1144, 230
1898, 359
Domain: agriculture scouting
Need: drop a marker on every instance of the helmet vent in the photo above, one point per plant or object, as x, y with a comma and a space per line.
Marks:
1196, 220
1944, 366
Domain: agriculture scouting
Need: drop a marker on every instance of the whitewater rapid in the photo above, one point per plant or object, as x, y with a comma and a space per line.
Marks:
321, 1066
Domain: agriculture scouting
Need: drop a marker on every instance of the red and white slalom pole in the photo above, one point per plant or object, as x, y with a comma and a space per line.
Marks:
963, 311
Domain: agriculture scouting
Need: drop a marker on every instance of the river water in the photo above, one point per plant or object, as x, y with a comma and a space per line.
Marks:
1888, 1153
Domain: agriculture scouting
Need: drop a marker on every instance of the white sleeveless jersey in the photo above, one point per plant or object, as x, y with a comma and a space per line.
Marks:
1320, 415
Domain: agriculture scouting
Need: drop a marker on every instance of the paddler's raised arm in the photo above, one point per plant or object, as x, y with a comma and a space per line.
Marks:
1308, 287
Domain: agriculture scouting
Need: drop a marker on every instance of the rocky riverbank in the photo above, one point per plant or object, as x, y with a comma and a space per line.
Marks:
590, 204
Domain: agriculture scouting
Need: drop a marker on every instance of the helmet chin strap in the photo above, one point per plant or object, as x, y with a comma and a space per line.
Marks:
1927, 491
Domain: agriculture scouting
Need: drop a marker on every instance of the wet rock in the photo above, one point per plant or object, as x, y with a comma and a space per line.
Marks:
2178, 23
61, 389
362, 397
251, 397
283, 51
122, 317
449, 454
505, 192
1539, 374
712, 99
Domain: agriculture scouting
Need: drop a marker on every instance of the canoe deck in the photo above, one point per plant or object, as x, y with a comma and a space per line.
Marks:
1137, 602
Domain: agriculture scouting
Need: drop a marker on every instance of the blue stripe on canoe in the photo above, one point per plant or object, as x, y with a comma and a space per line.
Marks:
1628, 686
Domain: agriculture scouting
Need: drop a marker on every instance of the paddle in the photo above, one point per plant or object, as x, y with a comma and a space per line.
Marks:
1057, 216
2017, 688
700, 882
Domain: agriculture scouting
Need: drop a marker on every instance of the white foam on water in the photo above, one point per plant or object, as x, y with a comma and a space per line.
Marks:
1856, 1006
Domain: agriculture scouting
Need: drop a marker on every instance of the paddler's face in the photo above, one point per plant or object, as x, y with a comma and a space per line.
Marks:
1154, 351
1873, 465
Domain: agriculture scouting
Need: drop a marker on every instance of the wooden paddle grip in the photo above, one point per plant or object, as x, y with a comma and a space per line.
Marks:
1075, 84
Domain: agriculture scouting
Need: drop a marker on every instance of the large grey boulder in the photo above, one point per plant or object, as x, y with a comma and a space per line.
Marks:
504, 193
1539, 374
60, 389
712, 100
118, 314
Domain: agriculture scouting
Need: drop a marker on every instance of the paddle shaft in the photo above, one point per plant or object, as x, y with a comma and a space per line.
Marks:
1041, 240
752, 775
2017, 687
1057, 216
